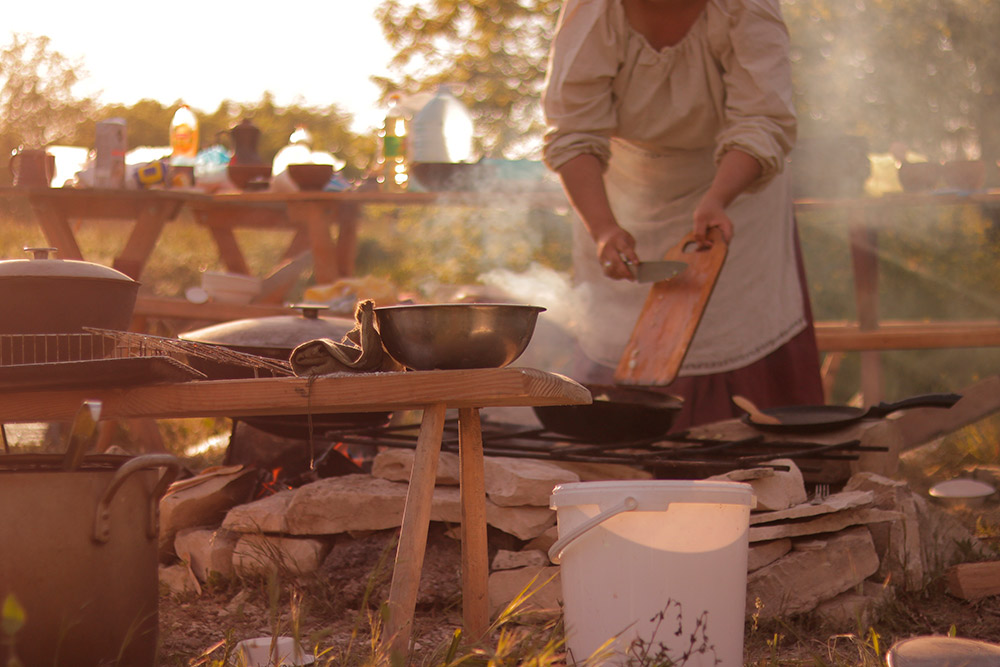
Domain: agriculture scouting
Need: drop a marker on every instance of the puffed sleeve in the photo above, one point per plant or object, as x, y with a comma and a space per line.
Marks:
577, 100
759, 111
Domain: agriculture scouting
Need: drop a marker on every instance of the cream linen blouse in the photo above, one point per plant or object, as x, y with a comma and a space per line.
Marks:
660, 121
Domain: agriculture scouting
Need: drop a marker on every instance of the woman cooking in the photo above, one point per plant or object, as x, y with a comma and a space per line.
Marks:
667, 116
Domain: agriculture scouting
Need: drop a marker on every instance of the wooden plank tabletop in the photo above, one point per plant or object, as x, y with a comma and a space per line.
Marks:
343, 392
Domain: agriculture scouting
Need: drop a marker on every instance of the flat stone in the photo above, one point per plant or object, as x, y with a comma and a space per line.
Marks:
897, 542
827, 523
208, 551
798, 582
509, 481
775, 491
178, 579
524, 523
260, 554
202, 500
362, 502
601, 472
544, 541
266, 515
544, 599
395, 465
832, 503
765, 553
513, 482
511, 560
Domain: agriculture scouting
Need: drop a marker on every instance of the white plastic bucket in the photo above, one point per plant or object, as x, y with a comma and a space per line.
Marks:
659, 567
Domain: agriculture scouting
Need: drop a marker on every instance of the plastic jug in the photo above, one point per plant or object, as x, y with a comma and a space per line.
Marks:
183, 137
442, 130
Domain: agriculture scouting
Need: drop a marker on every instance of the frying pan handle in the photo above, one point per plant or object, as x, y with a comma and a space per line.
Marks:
102, 521
629, 504
922, 401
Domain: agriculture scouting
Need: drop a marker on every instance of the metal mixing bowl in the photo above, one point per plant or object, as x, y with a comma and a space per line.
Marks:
456, 335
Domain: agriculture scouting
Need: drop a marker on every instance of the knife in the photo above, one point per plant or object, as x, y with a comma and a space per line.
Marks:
654, 272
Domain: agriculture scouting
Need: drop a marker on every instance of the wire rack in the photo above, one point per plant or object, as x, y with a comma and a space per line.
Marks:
96, 344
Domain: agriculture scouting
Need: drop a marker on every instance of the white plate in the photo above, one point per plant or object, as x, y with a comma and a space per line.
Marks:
961, 488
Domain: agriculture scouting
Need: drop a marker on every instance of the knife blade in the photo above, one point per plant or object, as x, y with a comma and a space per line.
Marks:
654, 272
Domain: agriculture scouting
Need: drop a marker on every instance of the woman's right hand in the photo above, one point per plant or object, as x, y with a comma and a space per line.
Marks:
615, 250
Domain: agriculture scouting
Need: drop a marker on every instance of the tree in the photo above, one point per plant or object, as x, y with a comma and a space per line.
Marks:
37, 104
36, 97
493, 51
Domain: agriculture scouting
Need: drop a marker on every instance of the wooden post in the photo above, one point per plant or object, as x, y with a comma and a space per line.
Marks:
864, 257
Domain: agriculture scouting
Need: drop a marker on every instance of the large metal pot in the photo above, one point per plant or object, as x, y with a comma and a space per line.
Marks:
46, 296
271, 337
274, 338
80, 556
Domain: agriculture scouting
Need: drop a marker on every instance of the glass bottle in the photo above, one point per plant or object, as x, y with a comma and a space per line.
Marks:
394, 176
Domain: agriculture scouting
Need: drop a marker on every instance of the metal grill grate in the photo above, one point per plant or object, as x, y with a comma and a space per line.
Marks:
98, 344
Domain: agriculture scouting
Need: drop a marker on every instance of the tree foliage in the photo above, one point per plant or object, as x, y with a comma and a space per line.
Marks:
37, 102
921, 73
492, 51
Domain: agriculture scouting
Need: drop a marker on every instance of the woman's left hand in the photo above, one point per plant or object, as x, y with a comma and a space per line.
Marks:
711, 212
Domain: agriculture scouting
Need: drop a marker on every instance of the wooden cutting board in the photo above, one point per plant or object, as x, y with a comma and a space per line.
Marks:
671, 315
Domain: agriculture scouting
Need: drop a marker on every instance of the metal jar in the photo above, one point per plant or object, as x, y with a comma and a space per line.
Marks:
80, 556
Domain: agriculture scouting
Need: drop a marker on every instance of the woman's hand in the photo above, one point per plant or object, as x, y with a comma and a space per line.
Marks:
737, 170
584, 184
615, 249
711, 212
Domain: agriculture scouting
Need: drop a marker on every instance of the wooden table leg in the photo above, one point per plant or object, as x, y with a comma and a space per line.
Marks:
57, 231
347, 238
864, 257
219, 224
413, 533
475, 556
141, 242
314, 217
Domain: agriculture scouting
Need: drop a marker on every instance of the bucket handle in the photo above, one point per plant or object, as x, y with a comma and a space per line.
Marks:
629, 504
102, 520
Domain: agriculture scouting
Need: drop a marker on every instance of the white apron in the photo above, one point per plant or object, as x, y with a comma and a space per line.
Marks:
653, 196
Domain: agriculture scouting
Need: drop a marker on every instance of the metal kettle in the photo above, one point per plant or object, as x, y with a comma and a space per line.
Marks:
245, 136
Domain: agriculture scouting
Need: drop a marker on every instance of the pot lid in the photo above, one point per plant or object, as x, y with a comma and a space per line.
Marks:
41, 266
278, 331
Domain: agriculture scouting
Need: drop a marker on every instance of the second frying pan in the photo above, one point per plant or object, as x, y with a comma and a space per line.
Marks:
815, 418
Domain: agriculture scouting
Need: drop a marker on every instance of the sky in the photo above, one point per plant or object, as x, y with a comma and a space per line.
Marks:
316, 52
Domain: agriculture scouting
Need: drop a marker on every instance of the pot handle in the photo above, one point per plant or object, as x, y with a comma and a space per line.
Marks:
102, 521
629, 504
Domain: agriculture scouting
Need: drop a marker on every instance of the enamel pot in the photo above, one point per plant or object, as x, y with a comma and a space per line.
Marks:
41, 295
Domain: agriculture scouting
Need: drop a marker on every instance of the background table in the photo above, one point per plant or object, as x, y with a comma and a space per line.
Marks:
149, 210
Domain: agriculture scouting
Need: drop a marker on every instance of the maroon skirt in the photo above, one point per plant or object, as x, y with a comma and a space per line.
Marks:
788, 376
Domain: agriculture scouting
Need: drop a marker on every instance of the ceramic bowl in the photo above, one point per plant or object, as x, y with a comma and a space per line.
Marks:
964, 174
919, 176
310, 176
248, 176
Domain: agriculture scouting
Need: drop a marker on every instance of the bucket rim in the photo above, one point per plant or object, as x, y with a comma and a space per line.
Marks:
652, 491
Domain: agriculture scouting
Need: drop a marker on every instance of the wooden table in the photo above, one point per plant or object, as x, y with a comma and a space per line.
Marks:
315, 215
430, 391
149, 210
